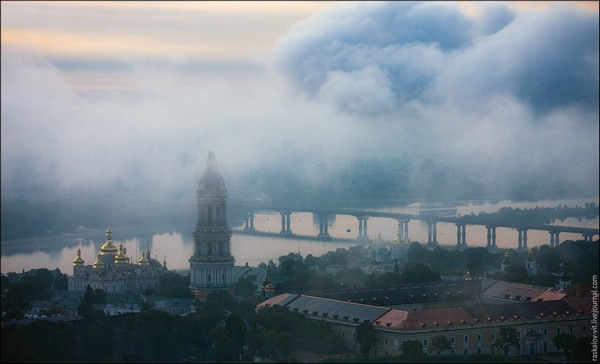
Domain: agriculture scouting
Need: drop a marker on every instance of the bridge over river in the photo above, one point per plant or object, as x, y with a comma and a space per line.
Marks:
403, 219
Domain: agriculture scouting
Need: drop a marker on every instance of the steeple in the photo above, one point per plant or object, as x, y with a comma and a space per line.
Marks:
505, 262
211, 265
78, 261
564, 278
98, 263
530, 264
108, 248
121, 257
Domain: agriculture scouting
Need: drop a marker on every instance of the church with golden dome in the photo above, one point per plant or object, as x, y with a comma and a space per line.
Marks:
114, 272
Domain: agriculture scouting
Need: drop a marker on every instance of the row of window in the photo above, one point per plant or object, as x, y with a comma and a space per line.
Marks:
532, 332
113, 287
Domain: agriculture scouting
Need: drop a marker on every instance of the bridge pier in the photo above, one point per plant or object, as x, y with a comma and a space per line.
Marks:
432, 234
362, 228
285, 223
249, 225
491, 237
402, 232
323, 226
461, 236
554, 239
522, 239
588, 237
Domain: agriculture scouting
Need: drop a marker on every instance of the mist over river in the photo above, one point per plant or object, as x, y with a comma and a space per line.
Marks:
176, 246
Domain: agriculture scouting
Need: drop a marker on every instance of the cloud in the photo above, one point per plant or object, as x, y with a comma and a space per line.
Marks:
498, 93
547, 58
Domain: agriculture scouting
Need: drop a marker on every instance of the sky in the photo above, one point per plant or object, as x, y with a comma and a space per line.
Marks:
133, 95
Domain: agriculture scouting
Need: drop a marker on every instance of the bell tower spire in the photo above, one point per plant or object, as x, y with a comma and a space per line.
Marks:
211, 265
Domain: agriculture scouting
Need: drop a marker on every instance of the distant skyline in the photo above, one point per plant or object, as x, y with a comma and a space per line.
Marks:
130, 96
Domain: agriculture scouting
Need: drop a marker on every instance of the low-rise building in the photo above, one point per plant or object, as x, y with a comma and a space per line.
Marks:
470, 329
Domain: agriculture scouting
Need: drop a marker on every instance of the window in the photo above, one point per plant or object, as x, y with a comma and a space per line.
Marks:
452, 340
479, 338
353, 335
424, 342
466, 351
493, 336
558, 330
583, 328
519, 334
571, 330
479, 350
545, 332
466, 338
385, 341
545, 347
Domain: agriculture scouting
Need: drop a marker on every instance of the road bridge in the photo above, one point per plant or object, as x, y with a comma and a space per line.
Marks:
461, 223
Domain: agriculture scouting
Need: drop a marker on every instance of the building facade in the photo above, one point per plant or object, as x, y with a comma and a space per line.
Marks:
114, 272
470, 329
211, 265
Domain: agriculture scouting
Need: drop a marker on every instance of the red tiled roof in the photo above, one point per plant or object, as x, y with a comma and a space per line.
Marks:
580, 305
275, 300
411, 320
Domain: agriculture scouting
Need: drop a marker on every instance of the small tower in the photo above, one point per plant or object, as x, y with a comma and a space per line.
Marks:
78, 261
98, 263
530, 264
269, 290
108, 251
121, 259
143, 260
467, 276
505, 262
564, 278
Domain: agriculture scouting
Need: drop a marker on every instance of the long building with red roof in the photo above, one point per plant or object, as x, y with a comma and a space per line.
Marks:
470, 329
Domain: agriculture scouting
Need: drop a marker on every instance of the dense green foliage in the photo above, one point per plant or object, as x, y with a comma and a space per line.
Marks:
440, 344
33, 285
507, 338
366, 336
537, 215
274, 327
173, 284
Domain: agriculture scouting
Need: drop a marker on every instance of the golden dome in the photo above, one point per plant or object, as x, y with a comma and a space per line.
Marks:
143, 261
78, 260
121, 257
269, 286
98, 263
108, 247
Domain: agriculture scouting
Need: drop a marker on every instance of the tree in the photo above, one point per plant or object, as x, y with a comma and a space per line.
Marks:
365, 335
439, 344
244, 287
581, 349
565, 342
418, 272
22, 292
412, 350
506, 338
173, 284
235, 330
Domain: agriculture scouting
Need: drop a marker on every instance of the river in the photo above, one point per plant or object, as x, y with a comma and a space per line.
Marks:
176, 246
